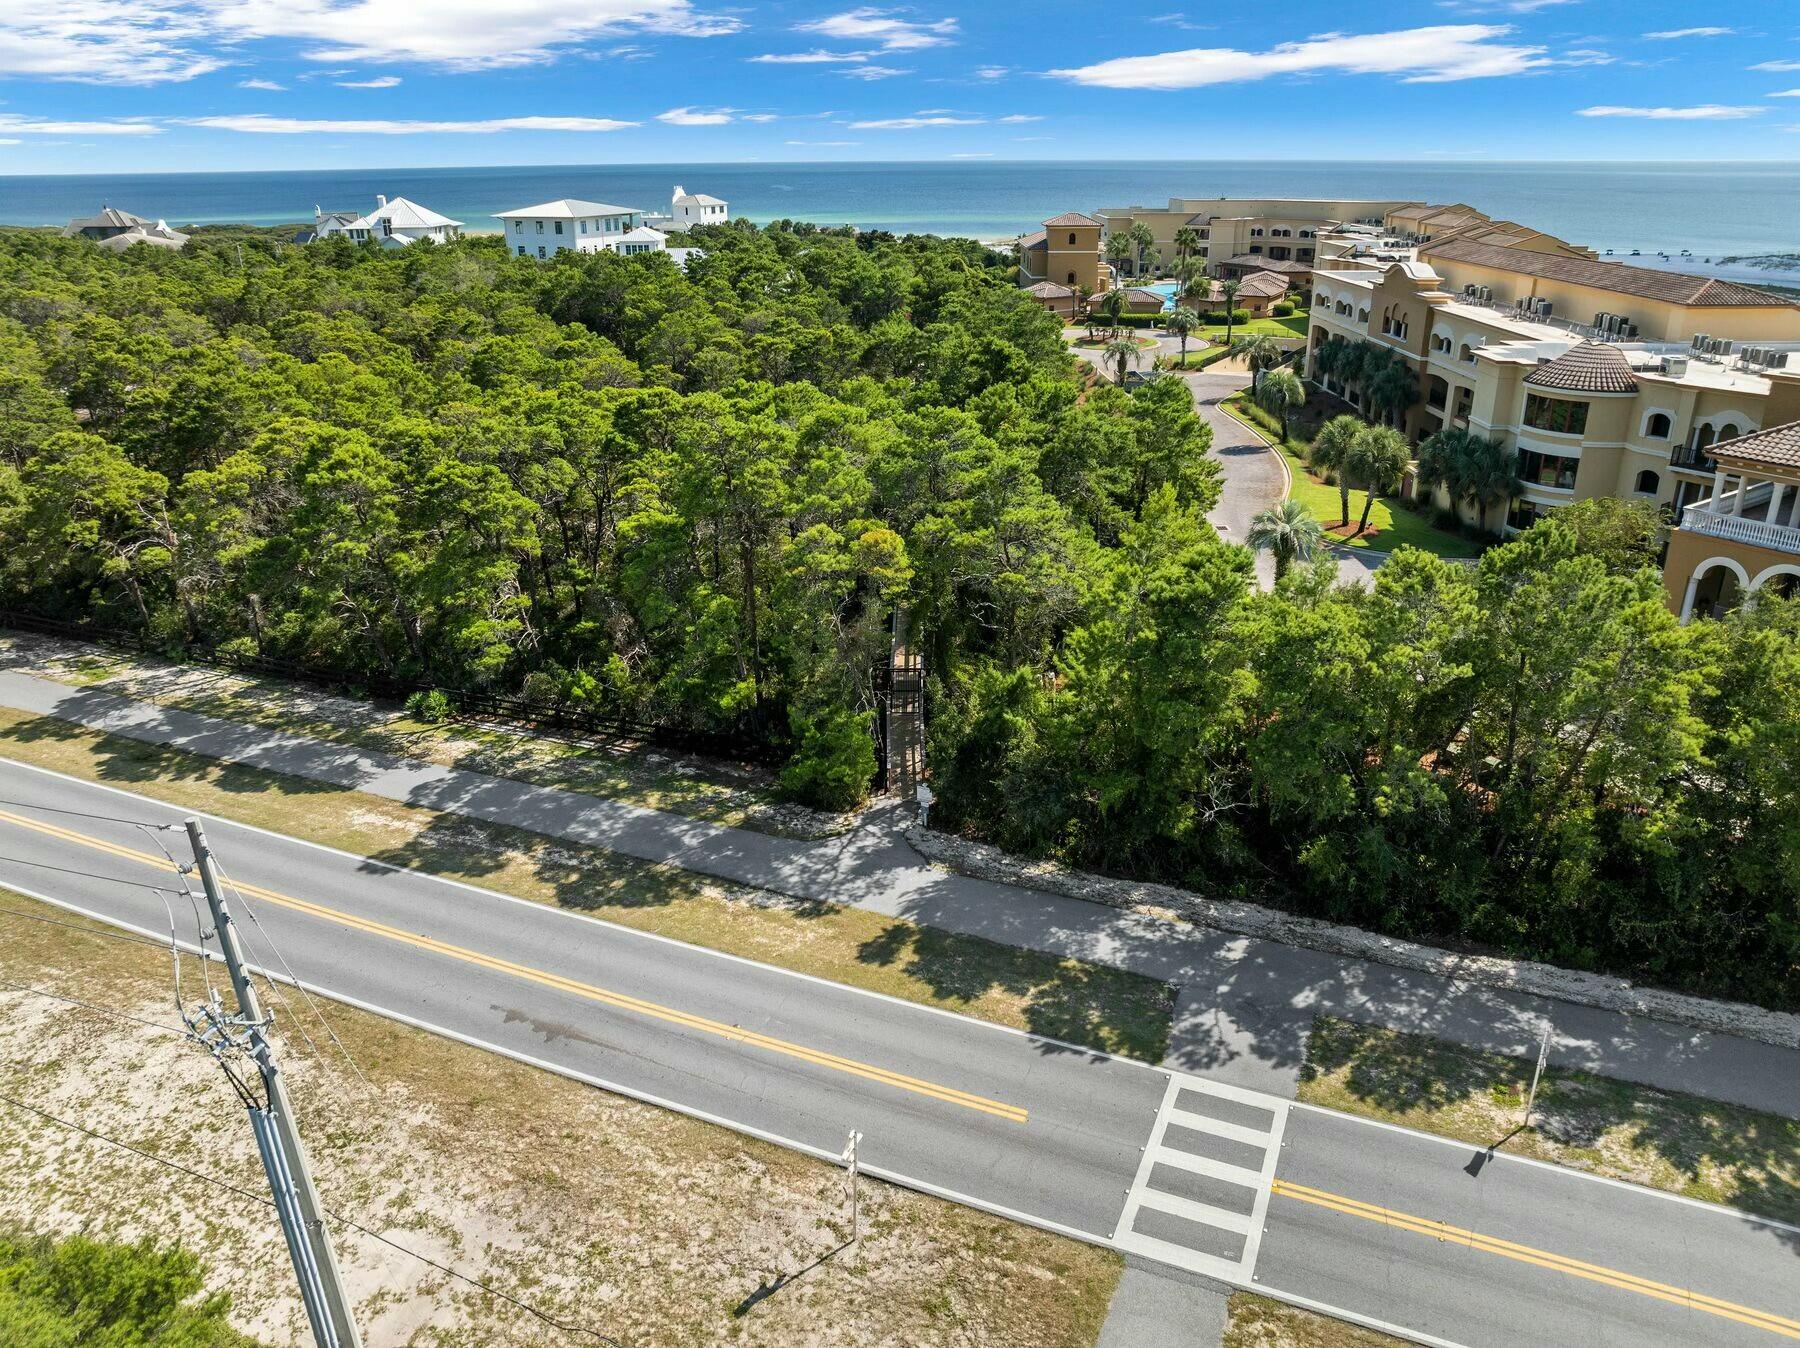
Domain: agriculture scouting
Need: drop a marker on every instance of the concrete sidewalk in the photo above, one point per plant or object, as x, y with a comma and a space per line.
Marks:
1244, 1007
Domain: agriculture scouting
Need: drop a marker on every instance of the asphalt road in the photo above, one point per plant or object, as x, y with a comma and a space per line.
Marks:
1171, 1166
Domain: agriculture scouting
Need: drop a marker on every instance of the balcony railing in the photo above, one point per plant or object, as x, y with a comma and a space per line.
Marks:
1701, 518
1694, 459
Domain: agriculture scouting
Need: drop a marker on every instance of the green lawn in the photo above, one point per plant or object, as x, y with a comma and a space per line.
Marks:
1391, 525
1292, 326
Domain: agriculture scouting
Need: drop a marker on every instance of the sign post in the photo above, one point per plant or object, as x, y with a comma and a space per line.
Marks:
1536, 1074
850, 1165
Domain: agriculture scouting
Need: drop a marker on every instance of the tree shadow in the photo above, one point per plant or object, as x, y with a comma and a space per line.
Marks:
120, 759
1082, 1004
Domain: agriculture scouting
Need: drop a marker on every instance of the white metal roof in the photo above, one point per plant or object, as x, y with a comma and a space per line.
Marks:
642, 234
403, 214
697, 199
568, 208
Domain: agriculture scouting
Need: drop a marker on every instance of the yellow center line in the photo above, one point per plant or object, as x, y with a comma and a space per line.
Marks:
1526, 1254
606, 997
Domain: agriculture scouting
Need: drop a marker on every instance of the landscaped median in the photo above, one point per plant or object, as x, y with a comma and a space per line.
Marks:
1720, 1153
1391, 524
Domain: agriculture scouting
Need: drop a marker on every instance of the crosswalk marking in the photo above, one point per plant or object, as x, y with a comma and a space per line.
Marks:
1202, 1188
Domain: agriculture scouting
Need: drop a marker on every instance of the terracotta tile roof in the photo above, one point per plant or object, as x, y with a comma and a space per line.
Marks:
1592, 367
1667, 286
1071, 218
1269, 264
1263, 283
1032, 240
1049, 290
1138, 295
1779, 446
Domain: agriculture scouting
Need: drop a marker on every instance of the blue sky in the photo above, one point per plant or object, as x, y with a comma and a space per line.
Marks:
170, 85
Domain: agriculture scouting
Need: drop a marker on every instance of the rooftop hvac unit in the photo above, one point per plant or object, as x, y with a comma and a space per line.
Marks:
1699, 341
1725, 347
1470, 288
1631, 332
1780, 360
1541, 308
1676, 366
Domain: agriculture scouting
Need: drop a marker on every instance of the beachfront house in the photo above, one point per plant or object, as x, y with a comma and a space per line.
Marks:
327, 223
392, 224
688, 209
157, 235
106, 225
578, 226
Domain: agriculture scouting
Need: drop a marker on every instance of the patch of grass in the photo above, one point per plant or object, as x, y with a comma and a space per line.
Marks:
1721, 1153
1089, 1004
734, 794
1391, 525
1258, 1322
1197, 359
1294, 326
651, 1226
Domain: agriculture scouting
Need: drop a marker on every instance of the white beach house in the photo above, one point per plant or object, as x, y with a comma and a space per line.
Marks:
392, 224
688, 209
583, 226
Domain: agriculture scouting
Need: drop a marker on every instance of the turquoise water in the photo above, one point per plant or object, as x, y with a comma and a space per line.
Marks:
1713, 209
1166, 289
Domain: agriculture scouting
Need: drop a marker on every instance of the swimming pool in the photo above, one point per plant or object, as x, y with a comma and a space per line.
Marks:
1166, 289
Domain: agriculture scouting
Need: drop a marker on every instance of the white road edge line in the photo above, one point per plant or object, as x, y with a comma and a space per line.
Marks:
1642, 1190
584, 917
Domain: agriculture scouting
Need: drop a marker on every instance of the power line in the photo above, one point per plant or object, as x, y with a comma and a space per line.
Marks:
445, 1269
83, 814
94, 1007
129, 937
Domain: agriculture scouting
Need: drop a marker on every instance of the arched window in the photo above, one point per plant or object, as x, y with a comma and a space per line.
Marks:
1071, 278
1728, 431
1657, 428
1071, 237
1703, 436
1647, 482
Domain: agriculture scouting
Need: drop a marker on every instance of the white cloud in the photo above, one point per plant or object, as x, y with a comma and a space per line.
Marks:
151, 41
9, 140
992, 72
695, 117
1785, 93
13, 123
109, 41
1776, 65
1704, 112
826, 144
881, 27
379, 82
760, 117
872, 72
1016, 118
269, 85
1506, 6
300, 126
915, 123
816, 57
1422, 55
1669, 33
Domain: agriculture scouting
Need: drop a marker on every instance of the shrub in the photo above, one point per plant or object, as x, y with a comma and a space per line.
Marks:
429, 705
835, 761
1217, 317
1446, 519
1282, 308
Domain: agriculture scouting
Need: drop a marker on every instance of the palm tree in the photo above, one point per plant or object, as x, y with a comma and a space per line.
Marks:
1111, 307
1280, 394
1182, 322
1288, 531
1191, 273
1119, 250
1122, 351
1229, 289
1331, 452
1377, 459
1443, 458
1490, 475
1187, 239
1261, 352
1142, 239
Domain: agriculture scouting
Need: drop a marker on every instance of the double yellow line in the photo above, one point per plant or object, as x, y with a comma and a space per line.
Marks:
606, 997
1526, 1254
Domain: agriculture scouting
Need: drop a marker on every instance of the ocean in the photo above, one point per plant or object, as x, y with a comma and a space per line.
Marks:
1711, 209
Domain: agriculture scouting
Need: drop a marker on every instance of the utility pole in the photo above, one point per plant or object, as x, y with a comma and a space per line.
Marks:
850, 1163
1536, 1073
277, 1137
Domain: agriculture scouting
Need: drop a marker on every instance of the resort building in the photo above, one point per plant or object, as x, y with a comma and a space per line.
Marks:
1067, 251
1606, 380
392, 224
1743, 538
1294, 275
1258, 292
1058, 299
582, 226
1285, 230
106, 225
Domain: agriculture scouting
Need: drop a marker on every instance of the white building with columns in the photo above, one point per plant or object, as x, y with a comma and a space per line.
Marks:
576, 226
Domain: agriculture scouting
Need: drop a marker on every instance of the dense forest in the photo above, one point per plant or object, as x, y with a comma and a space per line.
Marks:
699, 497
